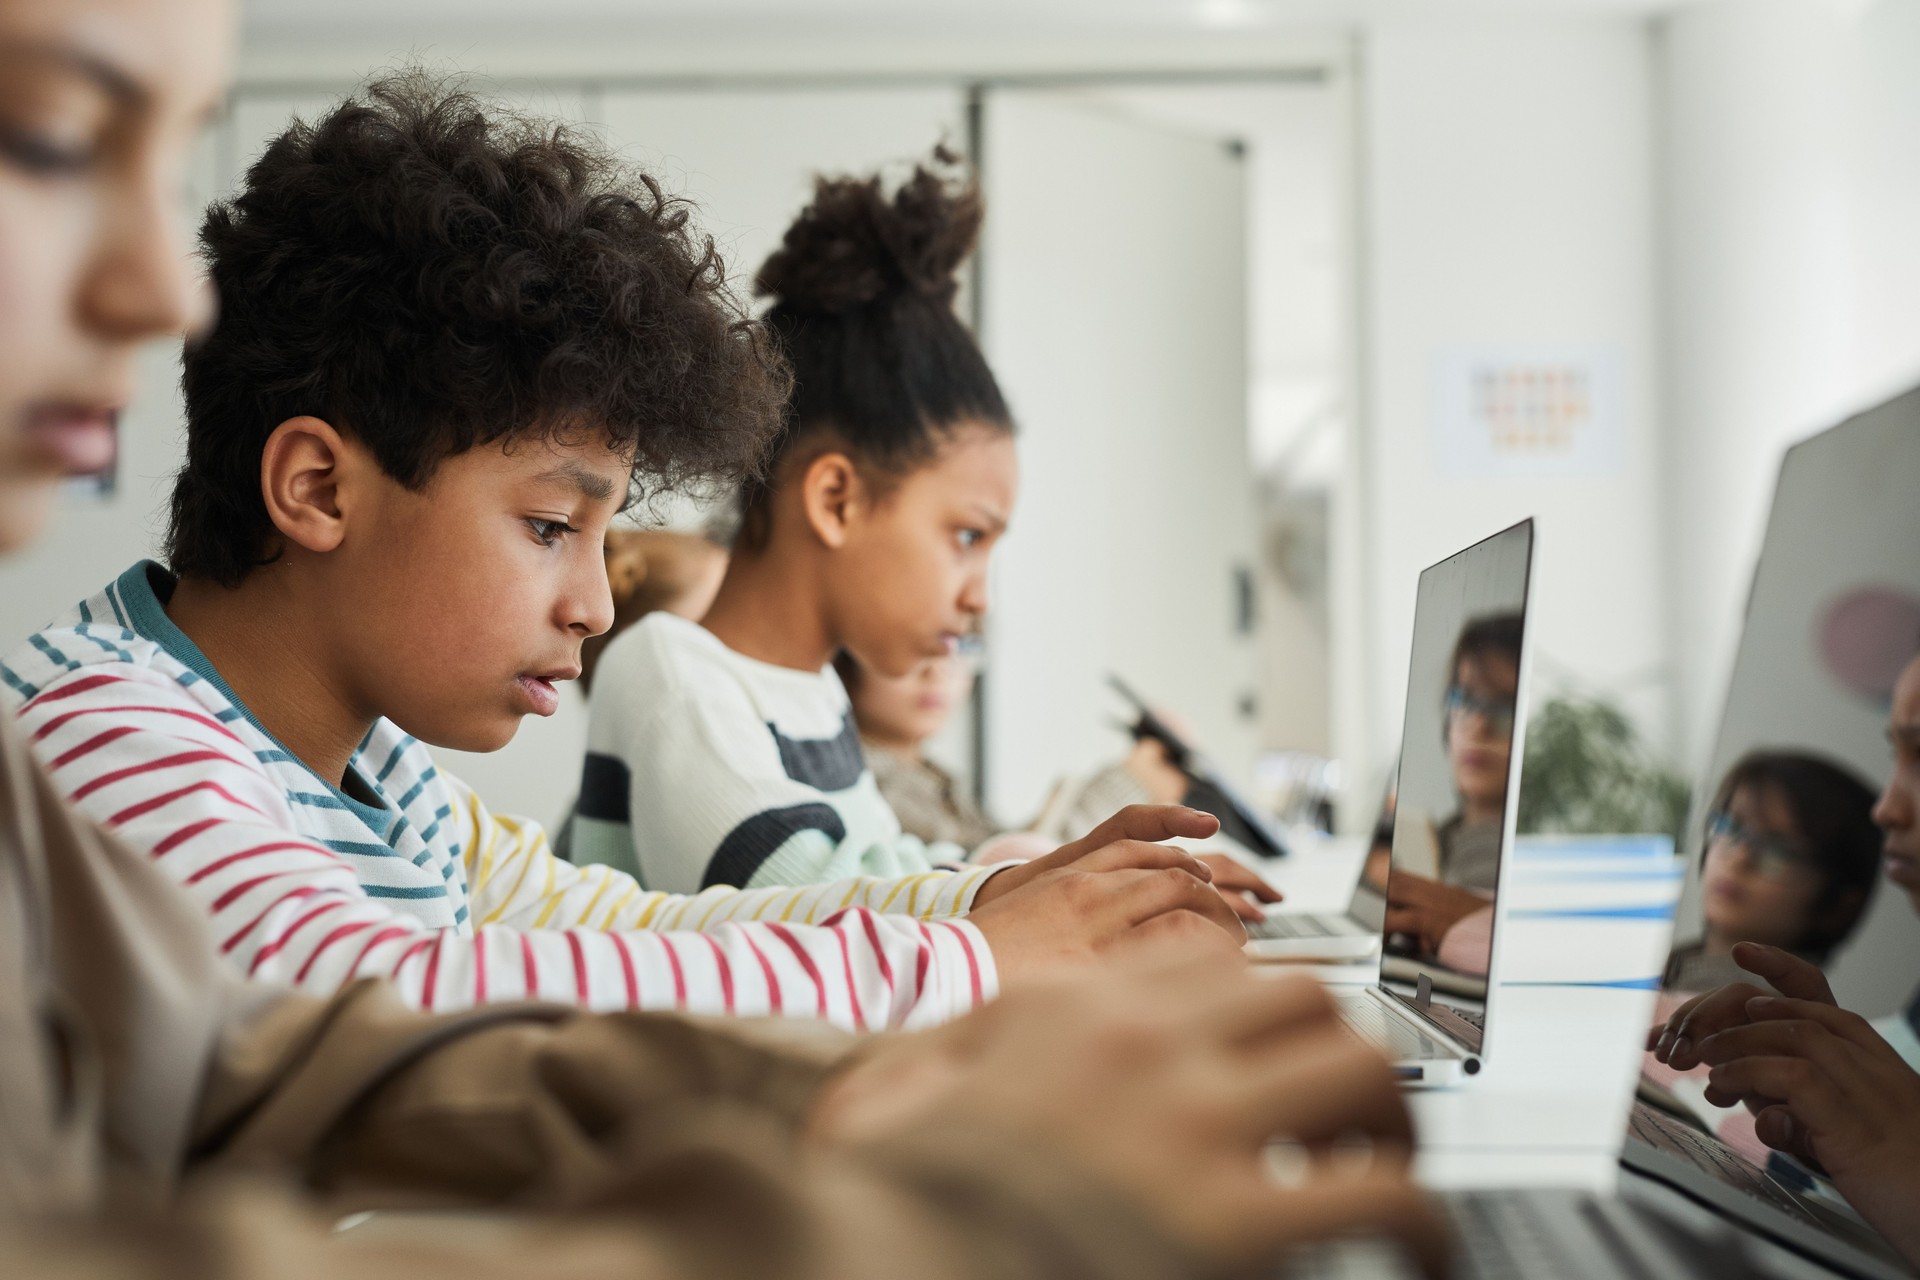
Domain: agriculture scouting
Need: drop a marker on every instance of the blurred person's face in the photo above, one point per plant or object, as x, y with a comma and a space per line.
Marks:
909, 577
1760, 881
706, 569
100, 102
904, 711
1480, 706
1898, 809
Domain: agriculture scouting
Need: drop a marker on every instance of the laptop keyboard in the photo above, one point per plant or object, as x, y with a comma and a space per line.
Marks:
1676, 1137
1302, 925
1392, 1036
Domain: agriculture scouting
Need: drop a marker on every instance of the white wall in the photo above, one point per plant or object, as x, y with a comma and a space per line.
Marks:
1792, 271
1509, 172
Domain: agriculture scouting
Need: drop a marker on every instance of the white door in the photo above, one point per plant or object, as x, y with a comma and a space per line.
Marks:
1113, 310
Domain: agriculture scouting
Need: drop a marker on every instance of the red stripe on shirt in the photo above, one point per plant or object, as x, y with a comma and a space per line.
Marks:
387, 934
626, 969
579, 966
812, 970
680, 976
185, 834
90, 746
879, 952
80, 685
973, 964
133, 811
278, 846
409, 954
853, 988
433, 971
480, 967
726, 973
66, 717
529, 968
148, 766
304, 891
272, 949
344, 931
766, 968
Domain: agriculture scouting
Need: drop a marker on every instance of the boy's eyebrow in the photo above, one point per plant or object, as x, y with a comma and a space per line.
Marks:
590, 483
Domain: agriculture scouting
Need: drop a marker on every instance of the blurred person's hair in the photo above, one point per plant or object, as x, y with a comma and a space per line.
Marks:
1490, 635
428, 272
647, 570
863, 287
1832, 813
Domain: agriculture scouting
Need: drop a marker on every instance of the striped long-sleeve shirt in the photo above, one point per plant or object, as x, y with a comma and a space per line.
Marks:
402, 873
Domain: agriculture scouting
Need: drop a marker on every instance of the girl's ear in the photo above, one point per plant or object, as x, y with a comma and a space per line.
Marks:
304, 470
831, 495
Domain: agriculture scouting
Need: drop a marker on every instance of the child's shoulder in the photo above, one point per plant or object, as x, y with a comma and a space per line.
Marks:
665, 653
89, 640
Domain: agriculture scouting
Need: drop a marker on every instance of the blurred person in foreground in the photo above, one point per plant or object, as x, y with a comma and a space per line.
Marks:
165, 1118
1823, 1084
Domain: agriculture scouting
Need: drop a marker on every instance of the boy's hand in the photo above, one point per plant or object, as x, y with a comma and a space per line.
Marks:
1136, 822
1165, 1081
1119, 896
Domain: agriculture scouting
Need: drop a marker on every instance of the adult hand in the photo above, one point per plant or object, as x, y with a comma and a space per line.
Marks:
1425, 909
1165, 1081
1242, 886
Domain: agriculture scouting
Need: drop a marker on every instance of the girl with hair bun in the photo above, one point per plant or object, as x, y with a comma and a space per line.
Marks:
726, 751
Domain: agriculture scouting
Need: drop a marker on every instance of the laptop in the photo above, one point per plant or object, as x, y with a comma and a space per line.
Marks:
1688, 1205
1459, 784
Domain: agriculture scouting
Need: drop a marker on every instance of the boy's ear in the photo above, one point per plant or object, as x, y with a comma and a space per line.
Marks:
831, 494
304, 470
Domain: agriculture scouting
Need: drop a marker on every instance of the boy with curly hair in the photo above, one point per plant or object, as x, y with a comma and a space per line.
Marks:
450, 340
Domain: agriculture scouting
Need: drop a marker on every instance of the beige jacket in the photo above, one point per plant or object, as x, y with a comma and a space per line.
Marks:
159, 1118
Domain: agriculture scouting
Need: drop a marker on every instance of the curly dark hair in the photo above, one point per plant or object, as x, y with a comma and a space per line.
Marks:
428, 272
863, 287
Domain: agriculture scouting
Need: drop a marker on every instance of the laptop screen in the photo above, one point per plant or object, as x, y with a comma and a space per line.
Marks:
1459, 771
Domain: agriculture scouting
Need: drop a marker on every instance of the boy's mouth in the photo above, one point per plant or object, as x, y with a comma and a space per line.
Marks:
541, 695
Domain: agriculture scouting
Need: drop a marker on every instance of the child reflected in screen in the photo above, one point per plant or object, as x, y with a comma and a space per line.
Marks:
1790, 859
1440, 899
898, 715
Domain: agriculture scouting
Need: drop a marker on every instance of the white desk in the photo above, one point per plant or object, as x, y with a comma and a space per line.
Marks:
1584, 931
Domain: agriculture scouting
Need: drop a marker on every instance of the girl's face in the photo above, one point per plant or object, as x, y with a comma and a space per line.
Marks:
100, 102
1760, 882
910, 578
904, 711
1480, 727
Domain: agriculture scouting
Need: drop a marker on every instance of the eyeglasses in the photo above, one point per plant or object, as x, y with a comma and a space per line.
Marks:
1769, 855
1497, 712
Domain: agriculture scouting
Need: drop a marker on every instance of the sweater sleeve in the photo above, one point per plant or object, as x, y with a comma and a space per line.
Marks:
138, 755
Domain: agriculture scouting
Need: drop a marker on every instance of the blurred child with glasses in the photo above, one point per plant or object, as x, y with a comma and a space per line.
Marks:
1790, 860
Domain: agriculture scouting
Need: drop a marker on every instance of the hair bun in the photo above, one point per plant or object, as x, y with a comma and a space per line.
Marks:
856, 246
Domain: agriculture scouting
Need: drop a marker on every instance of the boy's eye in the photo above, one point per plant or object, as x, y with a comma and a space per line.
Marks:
548, 532
970, 537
